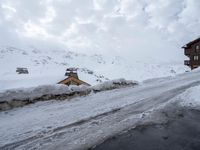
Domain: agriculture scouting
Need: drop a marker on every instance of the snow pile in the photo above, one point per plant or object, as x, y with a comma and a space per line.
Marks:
22, 96
191, 97
109, 85
34, 92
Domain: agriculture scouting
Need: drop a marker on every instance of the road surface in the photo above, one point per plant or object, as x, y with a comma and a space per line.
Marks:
86, 121
180, 133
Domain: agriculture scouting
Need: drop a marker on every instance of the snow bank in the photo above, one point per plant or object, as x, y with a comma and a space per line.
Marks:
22, 96
191, 97
109, 85
34, 92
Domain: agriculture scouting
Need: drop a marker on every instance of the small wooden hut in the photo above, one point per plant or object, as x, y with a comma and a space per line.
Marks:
72, 78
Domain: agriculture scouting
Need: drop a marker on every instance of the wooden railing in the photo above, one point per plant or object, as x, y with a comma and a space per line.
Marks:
188, 51
187, 62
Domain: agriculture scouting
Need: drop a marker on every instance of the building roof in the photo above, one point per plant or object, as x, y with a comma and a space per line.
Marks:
191, 43
71, 78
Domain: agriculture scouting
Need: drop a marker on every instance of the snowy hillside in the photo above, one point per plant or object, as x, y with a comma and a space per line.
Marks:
47, 66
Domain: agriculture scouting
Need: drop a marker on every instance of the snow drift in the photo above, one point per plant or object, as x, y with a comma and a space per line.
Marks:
22, 96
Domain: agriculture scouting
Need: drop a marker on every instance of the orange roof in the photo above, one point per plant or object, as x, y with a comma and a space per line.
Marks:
71, 78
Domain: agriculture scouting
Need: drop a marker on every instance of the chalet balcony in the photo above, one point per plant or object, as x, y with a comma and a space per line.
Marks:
192, 62
196, 62
187, 62
188, 52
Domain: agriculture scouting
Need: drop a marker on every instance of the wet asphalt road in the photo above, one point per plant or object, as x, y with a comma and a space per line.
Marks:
180, 133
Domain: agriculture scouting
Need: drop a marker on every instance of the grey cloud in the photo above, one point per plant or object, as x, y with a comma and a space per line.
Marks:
130, 27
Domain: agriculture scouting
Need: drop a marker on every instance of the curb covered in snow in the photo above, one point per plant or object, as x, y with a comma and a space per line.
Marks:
19, 97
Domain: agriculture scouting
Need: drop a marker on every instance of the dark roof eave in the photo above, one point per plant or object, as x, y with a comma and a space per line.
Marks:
192, 42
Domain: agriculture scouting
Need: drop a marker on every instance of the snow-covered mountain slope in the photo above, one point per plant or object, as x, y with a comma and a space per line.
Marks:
47, 66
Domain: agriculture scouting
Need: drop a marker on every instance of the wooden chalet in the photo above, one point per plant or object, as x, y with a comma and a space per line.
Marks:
72, 78
192, 51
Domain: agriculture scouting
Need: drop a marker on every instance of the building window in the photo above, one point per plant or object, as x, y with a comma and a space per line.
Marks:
197, 47
196, 57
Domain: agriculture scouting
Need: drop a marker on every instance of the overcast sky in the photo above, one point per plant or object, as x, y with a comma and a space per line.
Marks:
120, 27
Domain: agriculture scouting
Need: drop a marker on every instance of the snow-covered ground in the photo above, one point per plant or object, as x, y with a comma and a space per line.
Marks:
191, 97
47, 66
85, 121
